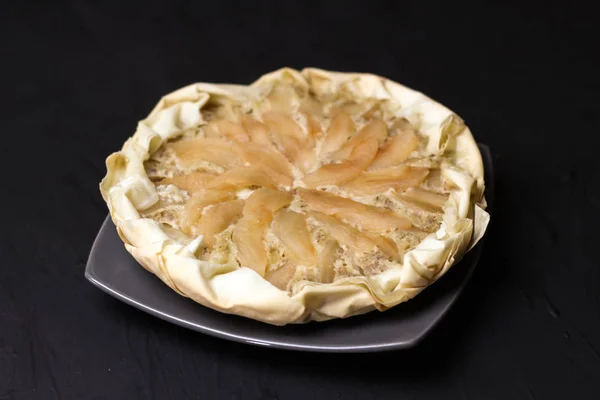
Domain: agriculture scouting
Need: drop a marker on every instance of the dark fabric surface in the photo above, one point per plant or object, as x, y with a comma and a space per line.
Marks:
76, 78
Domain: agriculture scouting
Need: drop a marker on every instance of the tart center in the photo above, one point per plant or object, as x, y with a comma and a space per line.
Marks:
298, 186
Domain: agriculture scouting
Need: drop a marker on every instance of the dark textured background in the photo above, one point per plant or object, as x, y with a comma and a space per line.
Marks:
77, 76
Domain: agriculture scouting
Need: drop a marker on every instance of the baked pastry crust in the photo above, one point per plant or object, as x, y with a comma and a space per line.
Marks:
173, 256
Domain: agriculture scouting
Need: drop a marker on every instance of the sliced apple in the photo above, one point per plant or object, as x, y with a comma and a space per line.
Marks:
282, 124
192, 210
266, 201
428, 200
281, 276
249, 233
217, 218
248, 236
399, 148
370, 218
290, 228
191, 183
211, 131
232, 131
257, 131
379, 181
375, 129
340, 129
311, 106
241, 177
269, 159
338, 174
313, 126
387, 246
297, 152
344, 233
283, 99
295, 144
351, 108
190, 152
327, 257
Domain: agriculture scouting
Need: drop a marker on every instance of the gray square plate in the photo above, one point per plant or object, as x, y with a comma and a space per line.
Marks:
114, 271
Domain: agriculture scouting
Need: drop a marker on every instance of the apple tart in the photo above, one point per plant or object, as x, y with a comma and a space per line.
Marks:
306, 195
